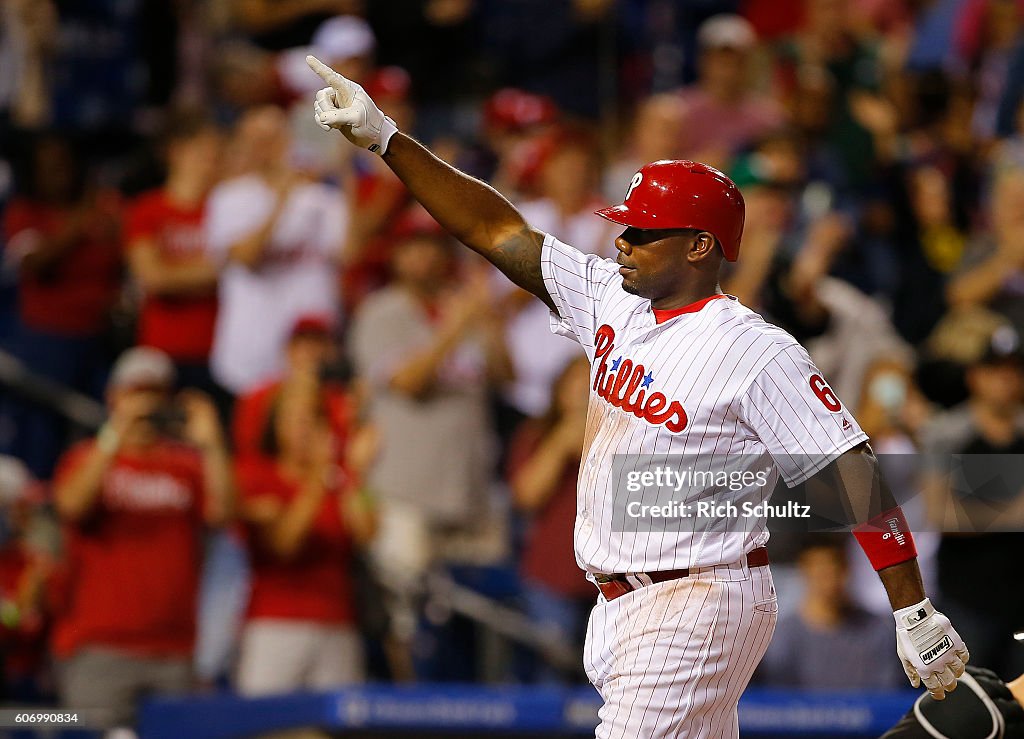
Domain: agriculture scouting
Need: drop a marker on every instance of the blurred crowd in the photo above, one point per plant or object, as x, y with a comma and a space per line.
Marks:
316, 401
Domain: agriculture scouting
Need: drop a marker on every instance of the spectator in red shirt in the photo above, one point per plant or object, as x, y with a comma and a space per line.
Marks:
543, 469
63, 238
166, 252
304, 513
307, 354
134, 501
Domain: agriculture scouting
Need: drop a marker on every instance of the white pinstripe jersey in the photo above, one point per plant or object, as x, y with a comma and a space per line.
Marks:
715, 380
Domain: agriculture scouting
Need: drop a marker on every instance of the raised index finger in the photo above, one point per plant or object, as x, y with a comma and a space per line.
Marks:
341, 85
327, 74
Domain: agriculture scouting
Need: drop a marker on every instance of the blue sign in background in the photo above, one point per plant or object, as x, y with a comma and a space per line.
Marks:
477, 710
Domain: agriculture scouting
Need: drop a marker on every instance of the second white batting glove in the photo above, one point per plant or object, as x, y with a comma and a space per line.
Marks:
931, 650
345, 106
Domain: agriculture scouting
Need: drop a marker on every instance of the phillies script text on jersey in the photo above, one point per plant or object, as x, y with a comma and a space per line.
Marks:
620, 386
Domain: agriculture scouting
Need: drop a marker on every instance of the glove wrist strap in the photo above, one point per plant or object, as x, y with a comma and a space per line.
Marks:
387, 129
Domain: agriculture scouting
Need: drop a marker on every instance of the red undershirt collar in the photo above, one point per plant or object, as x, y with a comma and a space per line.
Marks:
663, 315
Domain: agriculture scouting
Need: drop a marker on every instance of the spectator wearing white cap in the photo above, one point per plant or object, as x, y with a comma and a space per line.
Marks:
722, 112
350, 43
134, 500
347, 41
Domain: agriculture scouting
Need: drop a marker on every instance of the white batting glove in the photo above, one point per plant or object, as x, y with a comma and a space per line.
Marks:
930, 648
344, 105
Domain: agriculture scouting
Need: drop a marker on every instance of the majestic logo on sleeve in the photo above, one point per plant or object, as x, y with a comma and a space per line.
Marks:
626, 385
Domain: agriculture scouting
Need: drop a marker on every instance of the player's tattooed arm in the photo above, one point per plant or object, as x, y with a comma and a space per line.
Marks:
518, 256
850, 490
472, 211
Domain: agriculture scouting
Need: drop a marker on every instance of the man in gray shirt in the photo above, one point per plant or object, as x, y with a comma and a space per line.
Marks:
429, 353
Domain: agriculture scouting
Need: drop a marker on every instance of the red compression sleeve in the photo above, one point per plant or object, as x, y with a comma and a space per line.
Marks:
886, 539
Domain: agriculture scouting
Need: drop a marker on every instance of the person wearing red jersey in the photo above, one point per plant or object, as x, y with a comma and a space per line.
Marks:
134, 502
308, 351
304, 513
63, 237
166, 251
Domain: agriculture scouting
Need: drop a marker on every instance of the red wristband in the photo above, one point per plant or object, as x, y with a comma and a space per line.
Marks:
886, 539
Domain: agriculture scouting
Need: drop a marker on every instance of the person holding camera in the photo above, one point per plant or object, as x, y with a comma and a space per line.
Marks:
309, 358
134, 501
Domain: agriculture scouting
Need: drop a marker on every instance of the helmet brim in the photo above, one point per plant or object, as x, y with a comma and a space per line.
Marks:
626, 216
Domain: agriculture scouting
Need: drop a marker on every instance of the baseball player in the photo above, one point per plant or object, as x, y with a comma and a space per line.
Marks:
677, 368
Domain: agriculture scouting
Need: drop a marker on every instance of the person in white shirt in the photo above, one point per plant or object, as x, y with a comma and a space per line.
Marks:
279, 238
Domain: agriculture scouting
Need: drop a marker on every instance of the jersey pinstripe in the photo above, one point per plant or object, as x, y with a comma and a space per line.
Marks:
719, 381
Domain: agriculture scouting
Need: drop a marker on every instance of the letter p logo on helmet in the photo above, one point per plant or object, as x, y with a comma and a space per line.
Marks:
637, 179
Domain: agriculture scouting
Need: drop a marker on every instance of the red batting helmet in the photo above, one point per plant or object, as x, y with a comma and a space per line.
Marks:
683, 194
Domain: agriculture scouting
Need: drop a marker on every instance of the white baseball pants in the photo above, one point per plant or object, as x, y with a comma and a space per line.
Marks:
671, 660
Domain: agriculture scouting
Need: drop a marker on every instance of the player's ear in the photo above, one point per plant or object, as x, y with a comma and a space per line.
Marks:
704, 245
